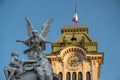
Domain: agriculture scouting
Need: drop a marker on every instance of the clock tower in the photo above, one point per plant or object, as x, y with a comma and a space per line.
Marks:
75, 55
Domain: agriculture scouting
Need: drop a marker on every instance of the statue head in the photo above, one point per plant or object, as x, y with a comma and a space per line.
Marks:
34, 32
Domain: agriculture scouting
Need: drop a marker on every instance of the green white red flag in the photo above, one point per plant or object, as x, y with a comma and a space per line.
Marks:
75, 17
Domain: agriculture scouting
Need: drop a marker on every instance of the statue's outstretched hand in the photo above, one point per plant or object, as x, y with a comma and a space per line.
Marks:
19, 41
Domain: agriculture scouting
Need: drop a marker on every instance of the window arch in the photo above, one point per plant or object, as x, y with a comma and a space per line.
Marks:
80, 77
68, 76
60, 76
74, 76
88, 76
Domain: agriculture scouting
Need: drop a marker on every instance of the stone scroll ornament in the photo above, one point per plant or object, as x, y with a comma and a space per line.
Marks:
37, 66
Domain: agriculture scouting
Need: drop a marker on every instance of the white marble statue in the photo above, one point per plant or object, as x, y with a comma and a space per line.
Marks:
37, 66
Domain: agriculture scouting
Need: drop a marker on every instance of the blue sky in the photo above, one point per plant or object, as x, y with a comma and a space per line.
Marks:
101, 16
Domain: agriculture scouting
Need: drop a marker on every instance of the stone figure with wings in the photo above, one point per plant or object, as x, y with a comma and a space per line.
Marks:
35, 42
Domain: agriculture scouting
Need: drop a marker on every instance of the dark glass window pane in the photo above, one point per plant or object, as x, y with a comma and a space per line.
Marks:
88, 76
74, 76
80, 76
68, 76
60, 76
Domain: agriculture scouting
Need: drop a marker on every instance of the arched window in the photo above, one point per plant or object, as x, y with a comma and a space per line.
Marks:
60, 76
68, 76
74, 76
88, 76
80, 76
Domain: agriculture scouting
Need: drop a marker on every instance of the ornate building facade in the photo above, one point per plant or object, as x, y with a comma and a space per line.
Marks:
75, 55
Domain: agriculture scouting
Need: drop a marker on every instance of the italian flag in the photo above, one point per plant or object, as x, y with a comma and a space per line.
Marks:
75, 17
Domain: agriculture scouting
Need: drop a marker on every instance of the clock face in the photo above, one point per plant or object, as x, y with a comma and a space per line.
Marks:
74, 60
